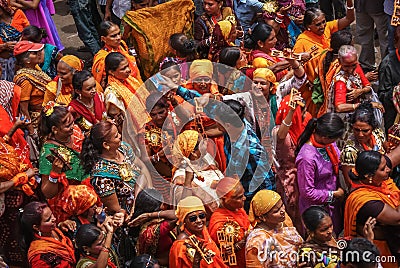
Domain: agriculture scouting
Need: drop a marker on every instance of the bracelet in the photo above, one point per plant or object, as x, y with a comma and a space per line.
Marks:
6, 138
158, 214
350, 8
103, 249
278, 20
330, 197
286, 124
53, 180
354, 107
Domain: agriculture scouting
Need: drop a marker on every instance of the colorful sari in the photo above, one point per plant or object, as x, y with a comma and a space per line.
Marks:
84, 117
50, 252
88, 261
316, 255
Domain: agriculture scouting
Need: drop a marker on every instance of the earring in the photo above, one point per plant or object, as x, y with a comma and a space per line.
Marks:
40, 233
87, 253
55, 132
108, 148
370, 180
308, 29
28, 62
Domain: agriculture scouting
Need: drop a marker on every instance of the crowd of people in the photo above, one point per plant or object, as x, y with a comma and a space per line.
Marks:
255, 136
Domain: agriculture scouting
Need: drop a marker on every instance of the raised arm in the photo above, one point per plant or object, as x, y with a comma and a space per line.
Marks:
350, 17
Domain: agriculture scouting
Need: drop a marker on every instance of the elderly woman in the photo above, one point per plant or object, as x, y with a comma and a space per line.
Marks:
185, 253
231, 216
196, 171
60, 90
273, 234
201, 77
374, 195
318, 33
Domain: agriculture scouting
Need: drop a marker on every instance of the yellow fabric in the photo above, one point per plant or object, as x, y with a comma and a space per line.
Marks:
200, 68
73, 62
226, 27
262, 202
186, 206
261, 63
185, 143
264, 73
150, 37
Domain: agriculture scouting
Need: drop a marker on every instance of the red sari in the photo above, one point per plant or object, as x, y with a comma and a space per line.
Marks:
81, 111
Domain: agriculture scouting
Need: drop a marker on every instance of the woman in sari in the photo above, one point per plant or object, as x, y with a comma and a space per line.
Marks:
375, 195
191, 216
317, 162
196, 172
125, 90
318, 33
88, 104
224, 35
12, 22
321, 248
291, 122
111, 37
231, 216
60, 90
31, 79
273, 234
214, 11
48, 246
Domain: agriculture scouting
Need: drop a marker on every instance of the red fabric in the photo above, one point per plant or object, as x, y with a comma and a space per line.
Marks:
330, 150
298, 125
341, 89
81, 110
109, 262
373, 143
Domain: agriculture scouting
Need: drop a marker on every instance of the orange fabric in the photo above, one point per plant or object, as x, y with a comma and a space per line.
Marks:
19, 21
304, 42
330, 150
178, 255
326, 80
387, 193
298, 124
98, 68
77, 199
373, 143
217, 221
63, 248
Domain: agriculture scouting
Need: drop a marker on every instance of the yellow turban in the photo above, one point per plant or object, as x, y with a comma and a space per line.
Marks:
260, 63
226, 27
186, 206
262, 202
200, 68
185, 143
73, 62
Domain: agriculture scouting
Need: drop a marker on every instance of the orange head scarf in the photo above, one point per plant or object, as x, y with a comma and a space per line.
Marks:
226, 186
268, 75
77, 199
298, 125
73, 62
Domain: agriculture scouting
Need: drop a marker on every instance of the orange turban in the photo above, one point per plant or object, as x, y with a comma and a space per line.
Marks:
226, 185
185, 143
73, 62
200, 68
76, 199
262, 202
186, 206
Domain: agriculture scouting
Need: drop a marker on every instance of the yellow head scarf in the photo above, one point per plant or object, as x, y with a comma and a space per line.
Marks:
186, 206
200, 68
226, 28
262, 202
260, 63
268, 75
185, 143
73, 62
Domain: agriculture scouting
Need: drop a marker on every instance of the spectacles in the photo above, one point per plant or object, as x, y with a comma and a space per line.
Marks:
193, 218
361, 130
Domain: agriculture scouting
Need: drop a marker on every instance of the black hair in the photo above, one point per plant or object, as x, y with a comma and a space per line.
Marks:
105, 27
92, 146
112, 62
229, 56
79, 78
225, 113
329, 125
156, 99
86, 235
365, 113
355, 251
311, 14
33, 33
143, 261
22, 58
31, 215
338, 39
148, 200
367, 163
46, 123
261, 32
184, 47
168, 65
313, 216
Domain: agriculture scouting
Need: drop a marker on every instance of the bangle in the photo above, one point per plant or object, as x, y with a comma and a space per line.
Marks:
350, 8
278, 20
6, 138
330, 197
286, 124
354, 107
53, 180
158, 214
103, 249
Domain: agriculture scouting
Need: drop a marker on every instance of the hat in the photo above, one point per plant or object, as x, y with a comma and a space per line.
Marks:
24, 46
186, 206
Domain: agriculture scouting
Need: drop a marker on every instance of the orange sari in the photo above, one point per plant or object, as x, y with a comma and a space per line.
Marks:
387, 193
178, 256
217, 221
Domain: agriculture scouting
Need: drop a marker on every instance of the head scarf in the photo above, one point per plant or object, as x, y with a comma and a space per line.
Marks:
298, 125
260, 63
73, 62
77, 199
225, 186
268, 75
6, 7
186, 206
262, 202
185, 143
200, 68
226, 28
